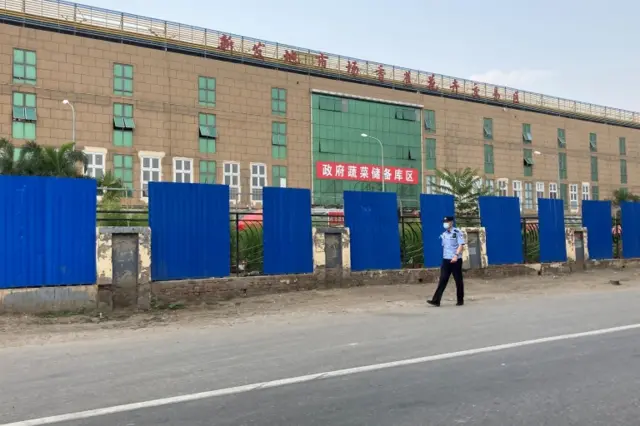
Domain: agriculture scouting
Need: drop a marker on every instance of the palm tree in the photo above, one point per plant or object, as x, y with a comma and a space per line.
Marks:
465, 185
110, 187
50, 161
9, 164
621, 195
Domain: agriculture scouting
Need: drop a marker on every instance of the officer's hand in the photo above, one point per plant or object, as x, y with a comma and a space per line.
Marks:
454, 259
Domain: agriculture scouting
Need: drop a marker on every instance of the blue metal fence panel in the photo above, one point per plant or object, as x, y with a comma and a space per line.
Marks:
190, 231
47, 231
287, 235
553, 246
500, 216
630, 229
433, 208
596, 217
372, 218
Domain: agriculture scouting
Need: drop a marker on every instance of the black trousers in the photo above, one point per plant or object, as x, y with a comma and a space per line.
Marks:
446, 270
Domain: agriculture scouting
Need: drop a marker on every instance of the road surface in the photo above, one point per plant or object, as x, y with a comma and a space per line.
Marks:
528, 361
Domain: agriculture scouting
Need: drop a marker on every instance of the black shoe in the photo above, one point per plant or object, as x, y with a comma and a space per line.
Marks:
433, 303
459, 303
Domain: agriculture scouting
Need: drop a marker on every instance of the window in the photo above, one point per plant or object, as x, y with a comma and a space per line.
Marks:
622, 145
564, 195
517, 190
24, 116
488, 159
562, 141
16, 153
595, 193
432, 185
183, 170
528, 195
593, 142
444, 187
487, 129
333, 104
594, 169
258, 181
526, 133
279, 176
24, 66
528, 162
586, 193
123, 170
231, 176
150, 170
540, 190
278, 101
122, 80
562, 165
207, 91
503, 187
407, 114
573, 197
430, 145
623, 171
207, 171
123, 125
430, 121
207, 133
553, 191
490, 185
95, 164
279, 140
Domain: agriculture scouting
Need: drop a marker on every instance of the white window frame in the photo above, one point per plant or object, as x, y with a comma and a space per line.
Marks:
574, 203
516, 187
152, 155
539, 191
231, 174
528, 202
553, 190
586, 195
490, 184
445, 188
183, 172
503, 187
92, 152
431, 183
257, 198
477, 184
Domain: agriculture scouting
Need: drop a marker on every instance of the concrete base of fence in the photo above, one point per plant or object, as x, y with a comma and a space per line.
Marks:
48, 299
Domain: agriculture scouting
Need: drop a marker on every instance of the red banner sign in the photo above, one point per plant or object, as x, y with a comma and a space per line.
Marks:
365, 173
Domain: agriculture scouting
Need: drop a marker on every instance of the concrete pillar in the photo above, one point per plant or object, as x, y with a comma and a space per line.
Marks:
482, 246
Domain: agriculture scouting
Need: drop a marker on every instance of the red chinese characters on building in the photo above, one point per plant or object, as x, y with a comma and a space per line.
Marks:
455, 86
380, 72
496, 94
322, 60
431, 82
257, 50
476, 90
291, 57
365, 173
226, 42
407, 78
352, 68
516, 97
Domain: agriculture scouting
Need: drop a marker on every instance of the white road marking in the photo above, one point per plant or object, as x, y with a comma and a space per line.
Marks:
308, 378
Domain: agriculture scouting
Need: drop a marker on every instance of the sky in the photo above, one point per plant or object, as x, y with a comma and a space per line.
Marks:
575, 49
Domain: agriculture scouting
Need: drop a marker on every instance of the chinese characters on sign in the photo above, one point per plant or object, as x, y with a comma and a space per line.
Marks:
365, 173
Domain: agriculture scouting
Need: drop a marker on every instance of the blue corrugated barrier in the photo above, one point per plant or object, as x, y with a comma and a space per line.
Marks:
500, 216
596, 217
433, 208
553, 247
630, 229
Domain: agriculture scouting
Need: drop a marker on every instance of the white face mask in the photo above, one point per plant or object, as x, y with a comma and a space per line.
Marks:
446, 225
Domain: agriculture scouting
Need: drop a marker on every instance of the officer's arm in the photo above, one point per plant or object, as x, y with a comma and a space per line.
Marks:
461, 243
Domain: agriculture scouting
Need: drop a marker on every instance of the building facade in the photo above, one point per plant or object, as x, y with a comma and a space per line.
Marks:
155, 100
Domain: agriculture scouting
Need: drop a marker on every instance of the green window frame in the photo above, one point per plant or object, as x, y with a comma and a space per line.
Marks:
278, 101
430, 120
593, 142
488, 159
594, 169
430, 150
332, 104
123, 170
564, 195
623, 171
207, 91
527, 137
207, 133
277, 173
562, 165
595, 193
487, 128
622, 145
406, 114
562, 140
527, 155
24, 66
278, 140
16, 153
122, 80
123, 125
207, 171
25, 115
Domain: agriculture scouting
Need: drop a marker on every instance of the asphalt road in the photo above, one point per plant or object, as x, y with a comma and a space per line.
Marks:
586, 381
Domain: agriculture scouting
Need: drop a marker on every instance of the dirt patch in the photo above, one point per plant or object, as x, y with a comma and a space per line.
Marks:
19, 330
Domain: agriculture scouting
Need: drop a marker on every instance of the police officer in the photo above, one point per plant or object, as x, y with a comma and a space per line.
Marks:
452, 246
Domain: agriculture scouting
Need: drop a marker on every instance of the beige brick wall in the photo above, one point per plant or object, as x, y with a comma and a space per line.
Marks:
166, 112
